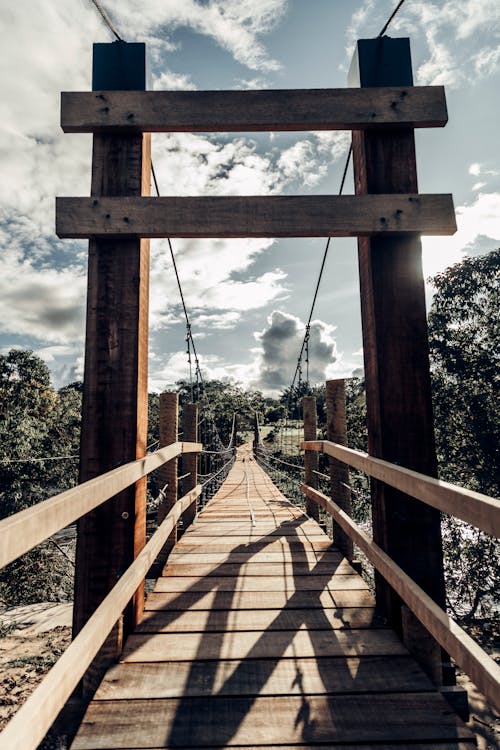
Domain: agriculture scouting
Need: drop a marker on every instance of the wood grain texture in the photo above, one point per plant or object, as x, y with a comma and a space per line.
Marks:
22, 531
281, 569
154, 647
232, 111
475, 508
255, 216
226, 722
203, 600
481, 668
219, 621
396, 356
215, 668
51, 694
175, 679
260, 583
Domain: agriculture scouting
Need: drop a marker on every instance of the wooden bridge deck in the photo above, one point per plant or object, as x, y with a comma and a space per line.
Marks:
259, 634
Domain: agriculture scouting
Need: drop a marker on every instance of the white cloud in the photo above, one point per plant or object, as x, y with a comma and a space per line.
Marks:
170, 81
218, 321
279, 347
480, 219
236, 26
442, 25
43, 303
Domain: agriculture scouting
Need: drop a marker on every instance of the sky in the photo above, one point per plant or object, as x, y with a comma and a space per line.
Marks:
248, 299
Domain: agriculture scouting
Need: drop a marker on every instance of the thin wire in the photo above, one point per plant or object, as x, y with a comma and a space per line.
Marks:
382, 32
320, 276
392, 17
35, 460
106, 19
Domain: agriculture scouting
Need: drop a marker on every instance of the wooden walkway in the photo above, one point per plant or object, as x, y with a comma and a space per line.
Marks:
259, 634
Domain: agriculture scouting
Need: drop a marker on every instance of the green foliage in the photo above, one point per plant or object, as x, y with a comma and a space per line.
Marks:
464, 335
464, 347
35, 422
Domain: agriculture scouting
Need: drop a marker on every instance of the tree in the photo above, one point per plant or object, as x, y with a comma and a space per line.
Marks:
464, 337
464, 348
36, 424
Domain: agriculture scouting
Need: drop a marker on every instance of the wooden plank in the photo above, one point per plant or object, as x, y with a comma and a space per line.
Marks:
216, 600
285, 555
336, 430
281, 569
233, 111
245, 544
477, 509
51, 695
480, 667
310, 458
393, 746
24, 530
256, 216
262, 531
227, 621
260, 583
228, 722
263, 677
283, 644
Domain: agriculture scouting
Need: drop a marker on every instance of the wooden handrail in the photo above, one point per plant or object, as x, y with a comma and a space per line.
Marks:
480, 510
31, 723
240, 111
483, 671
24, 530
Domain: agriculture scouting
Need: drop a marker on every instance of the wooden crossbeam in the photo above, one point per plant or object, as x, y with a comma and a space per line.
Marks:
250, 216
231, 111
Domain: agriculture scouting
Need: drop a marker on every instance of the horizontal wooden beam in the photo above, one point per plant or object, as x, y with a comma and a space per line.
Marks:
480, 510
269, 110
480, 667
24, 530
262, 216
24, 732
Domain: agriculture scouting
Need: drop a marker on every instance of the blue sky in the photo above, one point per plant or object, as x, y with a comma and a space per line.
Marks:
248, 299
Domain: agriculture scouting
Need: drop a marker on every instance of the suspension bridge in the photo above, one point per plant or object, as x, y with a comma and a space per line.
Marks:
259, 632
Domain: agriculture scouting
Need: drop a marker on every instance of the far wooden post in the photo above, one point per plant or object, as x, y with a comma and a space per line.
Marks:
115, 395
310, 457
167, 474
336, 432
256, 436
396, 357
189, 460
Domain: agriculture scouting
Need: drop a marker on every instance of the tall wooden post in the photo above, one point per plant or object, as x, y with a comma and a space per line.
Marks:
189, 460
256, 436
336, 431
398, 388
167, 474
310, 457
114, 413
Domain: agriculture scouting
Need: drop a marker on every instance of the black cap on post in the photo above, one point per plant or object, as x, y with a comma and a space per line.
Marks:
381, 62
119, 66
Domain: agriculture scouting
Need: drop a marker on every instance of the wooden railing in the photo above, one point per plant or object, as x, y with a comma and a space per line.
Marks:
477, 509
24, 530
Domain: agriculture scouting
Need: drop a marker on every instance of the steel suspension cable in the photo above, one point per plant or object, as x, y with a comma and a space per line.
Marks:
391, 17
106, 19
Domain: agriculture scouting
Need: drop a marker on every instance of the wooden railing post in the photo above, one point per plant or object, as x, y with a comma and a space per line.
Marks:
168, 473
398, 388
256, 435
189, 461
336, 431
310, 457
114, 412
